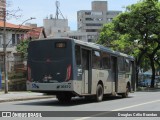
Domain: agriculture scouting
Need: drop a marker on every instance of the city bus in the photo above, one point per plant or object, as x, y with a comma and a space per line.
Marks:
67, 68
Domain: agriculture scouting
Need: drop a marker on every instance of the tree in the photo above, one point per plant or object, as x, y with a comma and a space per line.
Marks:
22, 48
140, 21
141, 24
107, 34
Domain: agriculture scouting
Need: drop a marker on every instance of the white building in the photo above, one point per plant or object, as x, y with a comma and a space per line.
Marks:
54, 27
91, 21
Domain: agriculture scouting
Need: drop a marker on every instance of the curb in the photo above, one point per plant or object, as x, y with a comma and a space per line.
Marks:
24, 99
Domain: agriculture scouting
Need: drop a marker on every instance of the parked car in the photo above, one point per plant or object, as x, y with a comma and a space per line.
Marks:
145, 83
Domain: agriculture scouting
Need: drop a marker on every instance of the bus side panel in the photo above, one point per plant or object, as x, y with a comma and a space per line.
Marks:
101, 75
104, 75
94, 80
77, 87
121, 82
110, 83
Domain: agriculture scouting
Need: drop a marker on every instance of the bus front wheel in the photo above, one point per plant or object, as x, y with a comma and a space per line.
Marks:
99, 93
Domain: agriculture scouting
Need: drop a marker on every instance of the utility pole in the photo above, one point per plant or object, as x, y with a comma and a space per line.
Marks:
5, 52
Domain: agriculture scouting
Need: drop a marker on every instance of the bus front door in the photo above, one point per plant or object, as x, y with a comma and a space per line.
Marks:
86, 71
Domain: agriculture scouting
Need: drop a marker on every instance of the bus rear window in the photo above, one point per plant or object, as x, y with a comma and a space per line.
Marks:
60, 44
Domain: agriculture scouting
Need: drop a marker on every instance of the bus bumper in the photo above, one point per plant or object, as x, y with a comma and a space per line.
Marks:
71, 86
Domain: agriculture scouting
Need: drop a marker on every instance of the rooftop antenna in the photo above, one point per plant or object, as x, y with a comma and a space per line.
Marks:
58, 10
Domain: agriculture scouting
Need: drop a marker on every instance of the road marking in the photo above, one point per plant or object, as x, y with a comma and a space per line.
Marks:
132, 106
136, 105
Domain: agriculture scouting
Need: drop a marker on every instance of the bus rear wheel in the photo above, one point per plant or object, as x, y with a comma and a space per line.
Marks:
99, 93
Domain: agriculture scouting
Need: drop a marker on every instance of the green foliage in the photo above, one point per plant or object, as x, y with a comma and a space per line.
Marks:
14, 75
136, 32
107, 34
22, 48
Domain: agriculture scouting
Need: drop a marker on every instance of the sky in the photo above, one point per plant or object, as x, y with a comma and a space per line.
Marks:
40, 9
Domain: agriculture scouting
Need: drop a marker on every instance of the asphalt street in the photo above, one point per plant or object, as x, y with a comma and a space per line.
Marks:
138, 101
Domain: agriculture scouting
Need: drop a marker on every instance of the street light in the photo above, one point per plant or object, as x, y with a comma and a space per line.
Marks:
5, 51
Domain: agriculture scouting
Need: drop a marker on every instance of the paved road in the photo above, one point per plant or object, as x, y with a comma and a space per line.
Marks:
139, 101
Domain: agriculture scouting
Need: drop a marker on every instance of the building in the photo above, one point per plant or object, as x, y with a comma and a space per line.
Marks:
59, 28
14, 33
54, 27
91, 21
2, 8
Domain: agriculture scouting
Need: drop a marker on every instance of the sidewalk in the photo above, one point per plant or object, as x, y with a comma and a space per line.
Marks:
20, 96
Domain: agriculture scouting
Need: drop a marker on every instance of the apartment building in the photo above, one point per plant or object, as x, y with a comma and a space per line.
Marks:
2, 7
91, 21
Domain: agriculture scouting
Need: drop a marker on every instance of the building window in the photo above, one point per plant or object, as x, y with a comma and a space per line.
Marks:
91, 24
91, 30
1, 39
22, 37
89, 40
18, 38
87, 13
96, 13
13, 39
89, 19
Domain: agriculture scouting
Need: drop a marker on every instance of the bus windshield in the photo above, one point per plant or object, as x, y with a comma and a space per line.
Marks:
49, 60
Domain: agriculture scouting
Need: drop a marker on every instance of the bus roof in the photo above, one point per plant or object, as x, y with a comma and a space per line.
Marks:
91, 45
101, 47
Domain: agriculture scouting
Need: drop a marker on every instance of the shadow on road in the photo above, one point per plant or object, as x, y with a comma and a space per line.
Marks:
74, 102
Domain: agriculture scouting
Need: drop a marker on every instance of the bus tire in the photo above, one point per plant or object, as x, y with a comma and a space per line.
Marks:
99, 93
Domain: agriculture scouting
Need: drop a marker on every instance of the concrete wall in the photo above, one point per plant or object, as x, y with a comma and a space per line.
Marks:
53, 26
100, 6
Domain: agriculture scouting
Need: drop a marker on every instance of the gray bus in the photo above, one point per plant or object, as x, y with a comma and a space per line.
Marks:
67, 68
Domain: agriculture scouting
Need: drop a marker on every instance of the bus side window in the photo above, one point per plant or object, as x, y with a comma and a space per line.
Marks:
78, 55
127, 65
106, 60
121, 66
96, 61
